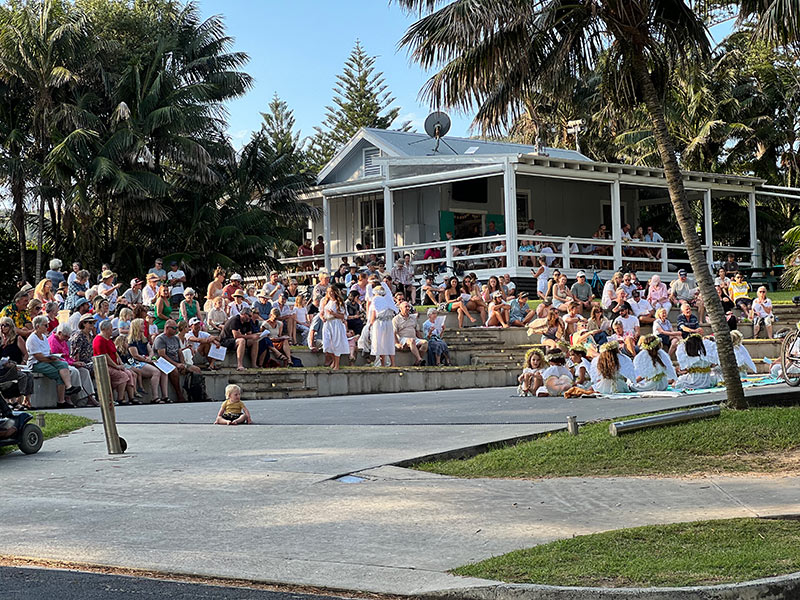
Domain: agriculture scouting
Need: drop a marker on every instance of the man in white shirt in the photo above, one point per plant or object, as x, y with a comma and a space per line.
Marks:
630, 324
200, 341
175, 278
509, 286
531, 228
273, 288
641, 308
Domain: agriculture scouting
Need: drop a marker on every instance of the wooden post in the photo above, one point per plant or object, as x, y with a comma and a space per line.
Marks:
106, 397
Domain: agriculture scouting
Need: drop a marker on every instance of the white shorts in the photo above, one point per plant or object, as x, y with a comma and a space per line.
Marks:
407, 340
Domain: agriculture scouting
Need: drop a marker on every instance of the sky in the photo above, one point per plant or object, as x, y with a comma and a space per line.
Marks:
297, 47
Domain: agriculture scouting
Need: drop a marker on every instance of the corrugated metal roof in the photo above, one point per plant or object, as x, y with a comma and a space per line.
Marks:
419, 144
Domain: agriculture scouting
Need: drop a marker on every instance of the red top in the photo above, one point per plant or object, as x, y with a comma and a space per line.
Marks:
51, 326
101, 345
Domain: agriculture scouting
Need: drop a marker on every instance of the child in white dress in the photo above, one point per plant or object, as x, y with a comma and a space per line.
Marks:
581, 366
612, 370
653, 367
531, 377
743, 359
696, 365
557, 378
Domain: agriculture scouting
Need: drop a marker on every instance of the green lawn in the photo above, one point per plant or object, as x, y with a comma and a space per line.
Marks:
57, 424
753, 440
699, 553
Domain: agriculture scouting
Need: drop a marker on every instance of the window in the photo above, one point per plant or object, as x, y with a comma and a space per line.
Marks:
370, 167
522, 206
372, 222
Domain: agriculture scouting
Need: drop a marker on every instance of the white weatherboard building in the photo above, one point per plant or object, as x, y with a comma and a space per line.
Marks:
393, 193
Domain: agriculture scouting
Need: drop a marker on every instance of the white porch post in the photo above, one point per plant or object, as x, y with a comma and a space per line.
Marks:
616, 224
707, 232
326, 230
751, 207
510, 192
388, 226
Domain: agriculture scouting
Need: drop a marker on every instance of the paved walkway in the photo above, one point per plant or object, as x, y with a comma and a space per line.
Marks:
259, 502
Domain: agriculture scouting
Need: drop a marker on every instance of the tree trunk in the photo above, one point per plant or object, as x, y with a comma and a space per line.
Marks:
40, 238
680, 203
18, 197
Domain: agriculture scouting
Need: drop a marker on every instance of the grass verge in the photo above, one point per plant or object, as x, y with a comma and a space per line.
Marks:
698, 553
56, 424
763, 439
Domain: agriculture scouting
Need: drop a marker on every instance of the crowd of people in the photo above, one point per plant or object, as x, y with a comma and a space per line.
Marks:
158, 328
595, 344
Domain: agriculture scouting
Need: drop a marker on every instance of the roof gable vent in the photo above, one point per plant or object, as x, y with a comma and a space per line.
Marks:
371, 168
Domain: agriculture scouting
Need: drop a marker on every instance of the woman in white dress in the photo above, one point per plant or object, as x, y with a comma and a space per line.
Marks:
654, 370
381, 312
743, 359
612, 370
696, 366
334, 332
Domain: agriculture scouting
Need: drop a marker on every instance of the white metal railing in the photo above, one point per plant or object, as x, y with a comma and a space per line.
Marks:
572, 252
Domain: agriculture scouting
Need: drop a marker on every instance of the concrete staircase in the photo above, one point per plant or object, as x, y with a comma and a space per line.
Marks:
269, 384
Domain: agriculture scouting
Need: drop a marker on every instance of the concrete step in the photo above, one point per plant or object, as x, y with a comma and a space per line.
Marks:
277, 386
278, 395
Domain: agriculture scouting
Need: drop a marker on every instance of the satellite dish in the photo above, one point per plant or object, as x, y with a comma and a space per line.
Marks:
437, 124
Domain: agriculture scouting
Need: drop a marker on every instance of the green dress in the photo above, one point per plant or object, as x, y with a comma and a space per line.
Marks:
159, 322
191, 311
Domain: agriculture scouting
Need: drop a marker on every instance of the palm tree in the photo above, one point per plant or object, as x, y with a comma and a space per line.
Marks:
40, 46
16, 163
778, 20
493, 55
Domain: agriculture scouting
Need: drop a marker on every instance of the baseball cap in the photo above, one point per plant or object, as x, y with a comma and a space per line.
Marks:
236, 277
194, 321
136, 281
682, 272
580, 274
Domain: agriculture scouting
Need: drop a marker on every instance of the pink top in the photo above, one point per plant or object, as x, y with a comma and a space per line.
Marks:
59, 347
658, 294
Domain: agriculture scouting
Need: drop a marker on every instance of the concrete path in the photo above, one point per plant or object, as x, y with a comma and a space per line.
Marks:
259, 501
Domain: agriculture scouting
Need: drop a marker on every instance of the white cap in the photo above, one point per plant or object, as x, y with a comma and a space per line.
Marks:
236, 277
194, 320
580, 274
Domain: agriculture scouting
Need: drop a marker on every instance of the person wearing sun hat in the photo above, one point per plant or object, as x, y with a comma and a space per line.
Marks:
189, 306
150, 291
235, 307
108, 289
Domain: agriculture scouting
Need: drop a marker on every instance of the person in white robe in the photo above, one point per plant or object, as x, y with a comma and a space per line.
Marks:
653, 367
696, 366
612, 371
381, 312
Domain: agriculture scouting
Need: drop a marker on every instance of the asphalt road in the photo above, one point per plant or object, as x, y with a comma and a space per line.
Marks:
35, 584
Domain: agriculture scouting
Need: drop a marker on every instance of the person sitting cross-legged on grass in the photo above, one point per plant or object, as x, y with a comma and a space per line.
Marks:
233, 411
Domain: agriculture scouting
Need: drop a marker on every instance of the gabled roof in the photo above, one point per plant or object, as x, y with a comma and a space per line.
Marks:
403, 144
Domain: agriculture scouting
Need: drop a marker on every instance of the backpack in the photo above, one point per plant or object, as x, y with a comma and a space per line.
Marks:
195, 386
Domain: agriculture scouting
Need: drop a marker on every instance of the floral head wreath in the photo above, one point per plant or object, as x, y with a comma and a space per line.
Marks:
557, 355
613, 345
736, 337
695, 335
531, 352
652, 344
578, 349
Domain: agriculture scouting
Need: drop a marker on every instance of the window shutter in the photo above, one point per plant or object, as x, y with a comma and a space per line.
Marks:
370, 167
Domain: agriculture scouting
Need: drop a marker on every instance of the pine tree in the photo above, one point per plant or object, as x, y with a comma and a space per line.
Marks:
360, 99
278, 127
